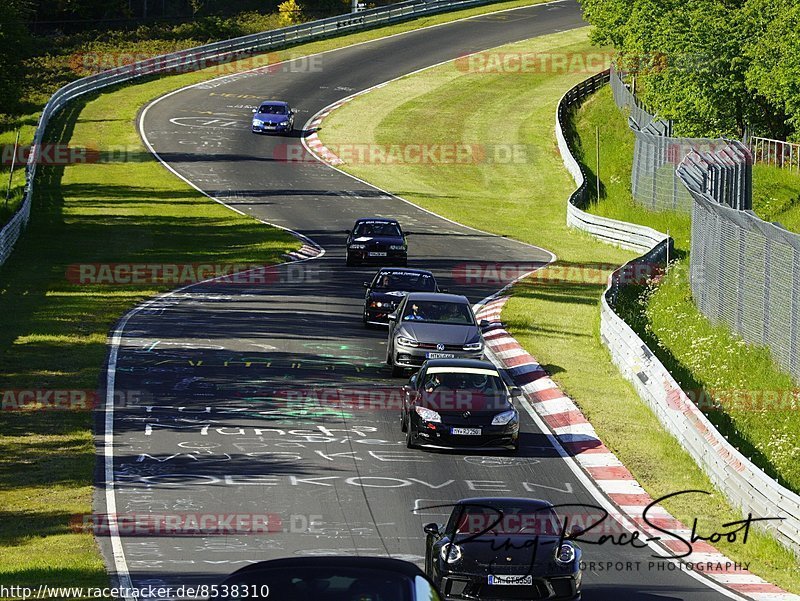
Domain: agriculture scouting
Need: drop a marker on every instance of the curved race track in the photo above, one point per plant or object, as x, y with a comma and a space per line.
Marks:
205, 440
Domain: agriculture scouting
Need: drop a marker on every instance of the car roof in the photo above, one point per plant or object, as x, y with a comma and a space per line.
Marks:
376, 220
333, 561
438, 296
465, 363
275, 102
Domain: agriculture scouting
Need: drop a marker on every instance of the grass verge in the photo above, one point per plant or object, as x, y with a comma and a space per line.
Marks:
758, 401
556, 319
53, 334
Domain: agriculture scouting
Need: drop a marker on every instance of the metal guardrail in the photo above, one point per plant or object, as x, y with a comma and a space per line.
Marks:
207, 55
620, 233
776, 153
743, 484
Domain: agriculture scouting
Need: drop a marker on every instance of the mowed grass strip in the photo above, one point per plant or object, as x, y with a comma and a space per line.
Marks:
758, 401
556, 315
53, 335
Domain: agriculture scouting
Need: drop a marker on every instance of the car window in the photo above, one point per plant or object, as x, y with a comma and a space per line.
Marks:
407, 281
377, 229
272, 109
438, 312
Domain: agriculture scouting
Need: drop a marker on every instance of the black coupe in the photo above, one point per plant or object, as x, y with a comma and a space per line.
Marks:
502, 548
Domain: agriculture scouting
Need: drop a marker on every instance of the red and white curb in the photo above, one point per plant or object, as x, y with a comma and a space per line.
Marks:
307, 251
579, 439
315, 145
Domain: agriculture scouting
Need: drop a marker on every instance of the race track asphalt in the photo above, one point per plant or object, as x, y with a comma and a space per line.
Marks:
208, 418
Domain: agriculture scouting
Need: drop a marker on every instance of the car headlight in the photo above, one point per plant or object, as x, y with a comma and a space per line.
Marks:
257, 122
397, 247
358, 246
473, 346
450, 553
429, 415
565, 554
402, 341
384, 304
501, 419
284, 123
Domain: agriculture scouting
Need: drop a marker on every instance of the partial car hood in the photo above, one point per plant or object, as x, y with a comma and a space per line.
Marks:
458, 401
369, 240
439, 333
508, 554
391, 295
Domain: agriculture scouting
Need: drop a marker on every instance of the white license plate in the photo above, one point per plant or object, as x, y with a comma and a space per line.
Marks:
377, 254
511, 580
440, 356
270, 127
467, 432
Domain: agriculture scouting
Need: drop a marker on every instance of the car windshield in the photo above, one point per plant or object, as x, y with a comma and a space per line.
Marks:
476, 381
438, 312
401, 280
377, 229
272, 109
503, 520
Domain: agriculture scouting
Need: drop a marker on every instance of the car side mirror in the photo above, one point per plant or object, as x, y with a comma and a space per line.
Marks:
483, 324
392, 316
412, 382
346, 232
366, 284
292, 111
432, 529
515, 391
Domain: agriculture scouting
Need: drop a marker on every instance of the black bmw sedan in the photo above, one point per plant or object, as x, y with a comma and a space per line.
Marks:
388, 288
502, 548
376, 240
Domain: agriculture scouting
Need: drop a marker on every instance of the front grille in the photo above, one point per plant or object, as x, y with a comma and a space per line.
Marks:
447, 347
537, 591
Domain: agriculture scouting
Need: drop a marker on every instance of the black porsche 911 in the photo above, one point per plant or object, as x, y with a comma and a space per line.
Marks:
502, 548
459, 403
388, 288
376, 240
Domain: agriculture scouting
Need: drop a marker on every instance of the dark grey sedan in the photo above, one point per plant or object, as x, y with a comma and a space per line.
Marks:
430, 325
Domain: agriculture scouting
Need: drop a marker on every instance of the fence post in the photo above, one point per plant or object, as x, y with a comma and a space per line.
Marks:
13, 164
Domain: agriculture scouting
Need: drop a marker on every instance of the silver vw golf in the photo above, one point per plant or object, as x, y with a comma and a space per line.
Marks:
430, 325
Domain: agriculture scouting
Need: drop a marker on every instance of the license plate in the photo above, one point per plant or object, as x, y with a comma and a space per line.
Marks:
511, 580
270, 127
467, 432
377, 254
440, 356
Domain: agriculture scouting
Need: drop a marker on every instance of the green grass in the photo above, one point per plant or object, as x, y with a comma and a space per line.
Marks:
708, 360
557, 321
776, 195
53, 335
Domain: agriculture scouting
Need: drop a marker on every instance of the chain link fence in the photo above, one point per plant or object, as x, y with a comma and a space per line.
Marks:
657, 153
745, 272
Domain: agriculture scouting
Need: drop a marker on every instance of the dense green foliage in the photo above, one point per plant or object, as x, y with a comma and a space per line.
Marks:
714, 66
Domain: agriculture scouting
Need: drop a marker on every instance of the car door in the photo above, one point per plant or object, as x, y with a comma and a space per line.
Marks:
393, 324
